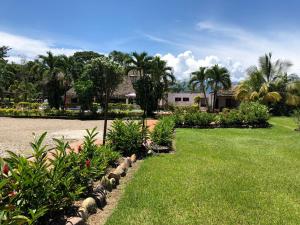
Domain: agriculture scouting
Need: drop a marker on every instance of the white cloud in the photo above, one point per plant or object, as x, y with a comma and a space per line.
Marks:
235, 47
29, 48
185, 63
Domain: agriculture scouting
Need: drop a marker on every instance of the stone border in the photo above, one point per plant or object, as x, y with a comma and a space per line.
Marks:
98, 197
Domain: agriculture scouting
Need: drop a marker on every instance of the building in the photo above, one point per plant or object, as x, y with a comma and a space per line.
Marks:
124, 93
184, 98
225, 99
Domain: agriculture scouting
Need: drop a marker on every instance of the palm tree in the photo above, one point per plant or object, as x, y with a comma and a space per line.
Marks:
49, 67
141, 63
266, 82
161, 73
65, 64
218, 78
293, 94
199, 78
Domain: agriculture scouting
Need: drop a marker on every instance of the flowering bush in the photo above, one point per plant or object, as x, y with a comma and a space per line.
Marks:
33, 190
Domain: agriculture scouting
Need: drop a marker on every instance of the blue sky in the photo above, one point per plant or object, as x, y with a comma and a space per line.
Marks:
186, 33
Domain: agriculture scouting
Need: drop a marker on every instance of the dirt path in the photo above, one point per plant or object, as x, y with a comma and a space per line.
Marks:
113, 197
17, 133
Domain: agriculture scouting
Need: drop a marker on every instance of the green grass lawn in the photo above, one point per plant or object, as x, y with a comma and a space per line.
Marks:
219, 176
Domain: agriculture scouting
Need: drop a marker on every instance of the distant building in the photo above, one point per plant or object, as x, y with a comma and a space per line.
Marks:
124, 93
184, 98
225, 99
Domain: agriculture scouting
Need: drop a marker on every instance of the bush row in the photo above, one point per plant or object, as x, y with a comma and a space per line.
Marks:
32, 191
249, 114
67, 114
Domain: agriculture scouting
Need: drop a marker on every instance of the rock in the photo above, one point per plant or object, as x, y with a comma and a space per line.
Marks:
124, 165
113, 182
117, 177
120, 171
160, 148
105, 182
100, 199
75, 221
90, 204
128, 160
150, 152
99, 189
133, 158
83, 213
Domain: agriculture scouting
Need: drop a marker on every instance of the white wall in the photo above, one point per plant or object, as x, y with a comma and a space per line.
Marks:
190, 96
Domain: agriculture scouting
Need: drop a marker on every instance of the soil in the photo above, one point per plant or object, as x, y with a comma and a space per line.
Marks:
113, 197
17, 133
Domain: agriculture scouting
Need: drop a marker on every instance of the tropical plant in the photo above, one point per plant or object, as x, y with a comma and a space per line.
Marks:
141, 64
266, 83
218, 79
126, 137
161, 73
50, 67
293, 93
199, 78
33, 190
163, 132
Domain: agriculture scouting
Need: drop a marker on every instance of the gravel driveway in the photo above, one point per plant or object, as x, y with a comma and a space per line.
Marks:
17, 133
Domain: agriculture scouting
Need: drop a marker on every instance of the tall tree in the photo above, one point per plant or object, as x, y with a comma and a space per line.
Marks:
266, 83
293, 94
4, 52
199, 78
66, 65
162, 73
141, 64
52, 75
105, 75
218, 78
120, 58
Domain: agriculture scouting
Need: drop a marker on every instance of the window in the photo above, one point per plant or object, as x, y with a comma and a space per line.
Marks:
203, 103
74, 100
186, 99
177, 99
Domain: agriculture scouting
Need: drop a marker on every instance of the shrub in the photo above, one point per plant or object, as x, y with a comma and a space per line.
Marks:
33, 190
201, 119
163, 132
126, 137
297, 118
254, 113
230, 118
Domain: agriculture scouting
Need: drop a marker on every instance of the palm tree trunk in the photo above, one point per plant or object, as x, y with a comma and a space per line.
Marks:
206, 101
105, 117
215, 101
65, 100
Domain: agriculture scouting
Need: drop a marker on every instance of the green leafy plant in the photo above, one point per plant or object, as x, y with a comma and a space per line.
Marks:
35, 190
126, 137
254, 113
297, 118
163, 132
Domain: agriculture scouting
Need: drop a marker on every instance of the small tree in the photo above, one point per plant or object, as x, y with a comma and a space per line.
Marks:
197, 100
148, 93
199, 78
105, 76
84, 90
218, 78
